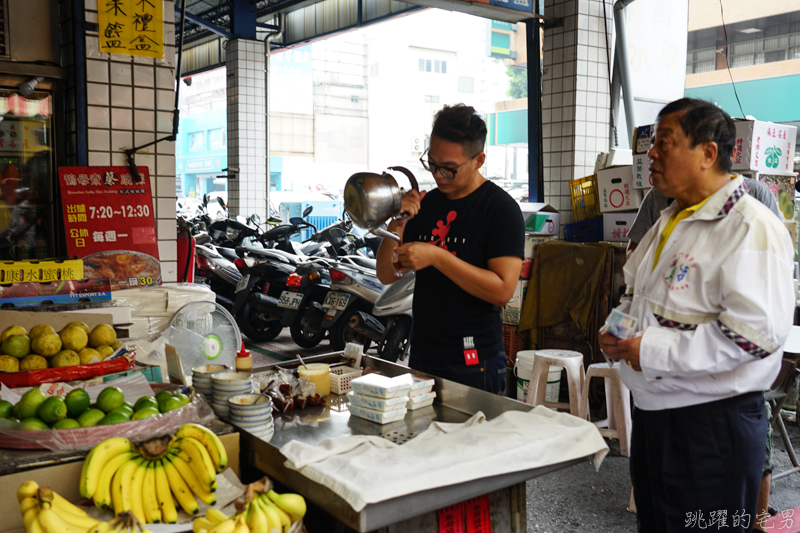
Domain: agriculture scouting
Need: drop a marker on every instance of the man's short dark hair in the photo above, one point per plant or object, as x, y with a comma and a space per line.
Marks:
462, 125
705, 122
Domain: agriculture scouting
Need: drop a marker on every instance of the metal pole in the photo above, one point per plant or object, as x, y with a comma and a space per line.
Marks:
535, 161
613, 140
622, 60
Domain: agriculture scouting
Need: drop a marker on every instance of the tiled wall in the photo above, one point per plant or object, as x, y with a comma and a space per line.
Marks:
575, 96
130, 103
246, 64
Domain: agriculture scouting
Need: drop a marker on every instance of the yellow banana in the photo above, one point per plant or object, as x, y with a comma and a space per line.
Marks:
271, 512
180, 489
51, 522
188, 475
257, 519
61, 506
216, 516
169, 514
29, 516
209, 440
152, 511
294, 504
202, 523
96, 461
27, 490
194, 453
35, 526
102, 527
241, 525
78, 523
137, 497
121, 486
285, 521
226, 526
103, 493
28, 503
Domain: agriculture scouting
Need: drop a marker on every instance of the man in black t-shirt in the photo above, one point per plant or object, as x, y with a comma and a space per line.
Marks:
465, 241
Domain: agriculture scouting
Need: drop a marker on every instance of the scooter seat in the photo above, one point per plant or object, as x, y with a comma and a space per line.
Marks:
227, 253
363, 261
272, 253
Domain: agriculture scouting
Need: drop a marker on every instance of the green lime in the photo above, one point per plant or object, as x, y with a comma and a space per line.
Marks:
52, 410
145, 401
33, 424
30, 402
183, 398
145, 412
77, 402
15, 412
170, 404
123, 410
163, 395
128, 404
66, 423
90, 417
110, 398
113, 418
5, 409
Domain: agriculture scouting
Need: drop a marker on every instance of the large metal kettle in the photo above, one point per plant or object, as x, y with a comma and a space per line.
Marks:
371, 199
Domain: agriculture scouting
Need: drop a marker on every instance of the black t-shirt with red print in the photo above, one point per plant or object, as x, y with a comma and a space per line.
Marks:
486, 224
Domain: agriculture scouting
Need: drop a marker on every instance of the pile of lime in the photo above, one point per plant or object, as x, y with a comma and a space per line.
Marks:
37, 411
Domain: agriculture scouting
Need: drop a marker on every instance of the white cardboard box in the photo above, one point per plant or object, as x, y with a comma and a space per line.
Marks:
765, 147
640, 172
615, 190
540, 219
617, 225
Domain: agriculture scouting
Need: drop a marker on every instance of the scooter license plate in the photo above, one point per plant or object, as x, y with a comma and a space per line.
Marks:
290, 300
242, 284
336, 300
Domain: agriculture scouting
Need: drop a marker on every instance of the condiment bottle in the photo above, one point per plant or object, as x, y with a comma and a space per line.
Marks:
244, 362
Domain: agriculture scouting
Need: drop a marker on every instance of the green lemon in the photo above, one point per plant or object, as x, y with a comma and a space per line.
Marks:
124, 410
90, 417
33, 424
52, 410
170, 404
183, 398
77, 402
66, 423
110, 398
145, 412
30, 402
15, 412
145, 401
5, 409
113, 418
128, 404
163, 395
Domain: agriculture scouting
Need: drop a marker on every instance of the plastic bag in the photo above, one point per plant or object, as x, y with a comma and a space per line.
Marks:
197, 411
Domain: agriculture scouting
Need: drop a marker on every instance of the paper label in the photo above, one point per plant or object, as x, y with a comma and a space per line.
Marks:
477, 515
451, 519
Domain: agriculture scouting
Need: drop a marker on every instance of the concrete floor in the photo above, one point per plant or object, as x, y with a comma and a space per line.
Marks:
579, 498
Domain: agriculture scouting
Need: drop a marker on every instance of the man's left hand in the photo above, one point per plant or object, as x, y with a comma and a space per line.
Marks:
417, 255
626, 350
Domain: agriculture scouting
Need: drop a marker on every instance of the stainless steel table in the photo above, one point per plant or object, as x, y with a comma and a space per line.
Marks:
454, 403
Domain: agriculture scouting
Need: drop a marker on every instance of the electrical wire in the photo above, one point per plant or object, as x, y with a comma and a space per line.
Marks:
608, 64
725, 31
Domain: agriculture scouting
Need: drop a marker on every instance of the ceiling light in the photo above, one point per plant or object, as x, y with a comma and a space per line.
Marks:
750, 30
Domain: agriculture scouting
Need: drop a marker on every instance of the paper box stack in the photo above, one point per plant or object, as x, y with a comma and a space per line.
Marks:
383, 399
619, 196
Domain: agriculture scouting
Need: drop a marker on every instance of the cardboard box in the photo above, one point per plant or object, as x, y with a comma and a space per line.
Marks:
617, 225
765, 147
151, 373
63, 479
27, 294
531, 241
514, 307
540, 219
615, 188
782, 188
642, 137
640, 172
40, 271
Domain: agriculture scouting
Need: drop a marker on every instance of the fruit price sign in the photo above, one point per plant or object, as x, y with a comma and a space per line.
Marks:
110, 223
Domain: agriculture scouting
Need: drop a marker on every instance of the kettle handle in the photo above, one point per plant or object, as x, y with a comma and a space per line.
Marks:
409, 175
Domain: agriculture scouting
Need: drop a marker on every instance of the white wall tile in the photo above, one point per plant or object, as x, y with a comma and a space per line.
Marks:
121, 119
120, 73
96, 94
97, 71
97, 117
98, 139
121, 96
167, 250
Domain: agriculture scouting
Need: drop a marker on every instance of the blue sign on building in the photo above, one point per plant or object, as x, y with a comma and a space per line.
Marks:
518, 5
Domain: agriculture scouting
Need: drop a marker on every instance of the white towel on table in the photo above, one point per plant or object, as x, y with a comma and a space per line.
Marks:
369, 469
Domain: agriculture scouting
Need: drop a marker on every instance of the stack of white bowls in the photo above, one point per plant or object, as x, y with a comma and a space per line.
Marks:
227, 384
253, 413
201, 378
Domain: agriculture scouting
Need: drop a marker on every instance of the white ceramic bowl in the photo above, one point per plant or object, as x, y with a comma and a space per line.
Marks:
250, 402
232, 377
251, 425
264, 411
260, 419
209, 369
234, 389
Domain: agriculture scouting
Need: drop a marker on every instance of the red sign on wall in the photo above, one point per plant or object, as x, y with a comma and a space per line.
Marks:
110, 223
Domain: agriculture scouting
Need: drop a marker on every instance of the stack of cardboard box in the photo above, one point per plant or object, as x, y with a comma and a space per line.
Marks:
619, 194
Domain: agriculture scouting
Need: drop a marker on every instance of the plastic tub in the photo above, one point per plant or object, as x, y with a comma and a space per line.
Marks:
523, 370
380, 417
382, 386
420, 385
378, 404
318, 374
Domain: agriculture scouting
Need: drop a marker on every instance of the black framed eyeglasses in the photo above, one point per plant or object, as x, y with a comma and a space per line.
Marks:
448, 173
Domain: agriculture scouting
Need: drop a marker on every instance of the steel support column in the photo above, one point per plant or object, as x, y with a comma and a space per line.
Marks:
535, 161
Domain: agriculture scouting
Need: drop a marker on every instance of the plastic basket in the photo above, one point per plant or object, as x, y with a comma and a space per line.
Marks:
512, 343
340, 379
585, 231
585, 200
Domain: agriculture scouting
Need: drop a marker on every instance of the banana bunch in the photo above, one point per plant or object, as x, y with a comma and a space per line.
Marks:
122, 476
44, 511
124, 523
264, 513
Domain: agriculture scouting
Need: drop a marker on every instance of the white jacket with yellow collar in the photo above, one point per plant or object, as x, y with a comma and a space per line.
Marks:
717, 308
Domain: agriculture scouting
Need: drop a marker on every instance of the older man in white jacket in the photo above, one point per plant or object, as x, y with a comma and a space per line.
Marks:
711, 287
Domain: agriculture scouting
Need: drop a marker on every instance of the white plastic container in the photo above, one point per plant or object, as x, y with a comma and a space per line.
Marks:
421, 400
523, 370
420, 385
382, 386
380, 417
378, 404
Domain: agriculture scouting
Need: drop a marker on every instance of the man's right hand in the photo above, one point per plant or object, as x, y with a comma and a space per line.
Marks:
410, 207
